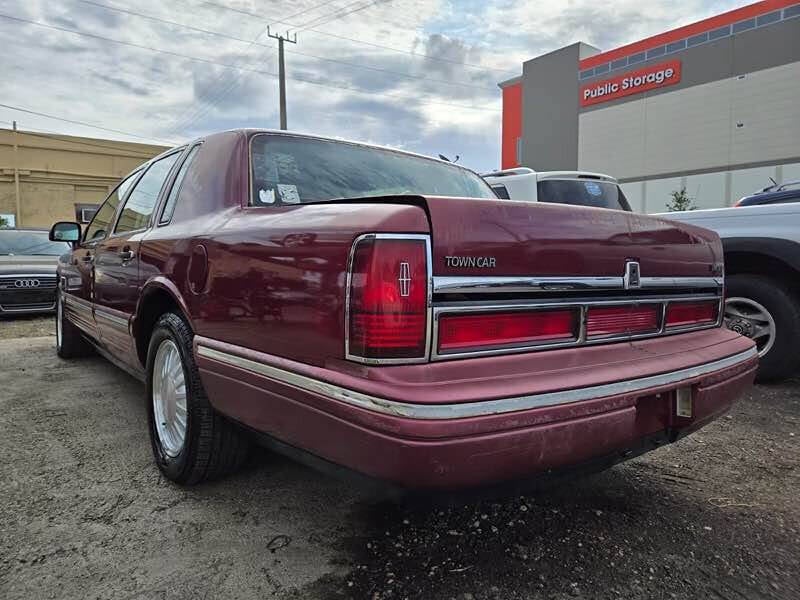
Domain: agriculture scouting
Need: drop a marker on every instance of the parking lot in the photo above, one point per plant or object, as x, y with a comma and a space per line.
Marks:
85, 514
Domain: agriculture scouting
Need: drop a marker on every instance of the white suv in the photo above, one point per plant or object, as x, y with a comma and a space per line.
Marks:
563, 187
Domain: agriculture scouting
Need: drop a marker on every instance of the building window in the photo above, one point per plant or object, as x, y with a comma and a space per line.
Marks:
744, 25
768, 18
660, 51
619, 63
84, 213
792, 11
601, 69
7, 220
675, 46
586, 74
698, 39
722, 32
636, 58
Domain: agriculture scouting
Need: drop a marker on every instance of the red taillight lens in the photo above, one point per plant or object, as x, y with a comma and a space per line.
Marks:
681, 314
389, 299
612, 320
465, 332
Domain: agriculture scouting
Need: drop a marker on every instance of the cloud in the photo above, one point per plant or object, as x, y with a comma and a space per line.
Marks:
404, 99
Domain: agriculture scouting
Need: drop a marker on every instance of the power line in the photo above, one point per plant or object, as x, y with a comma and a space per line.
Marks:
184, 120
357, 41
418, 98
335, 16
83, 123
203, 110
254, 42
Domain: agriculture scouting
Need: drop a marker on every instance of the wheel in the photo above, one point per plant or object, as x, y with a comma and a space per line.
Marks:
69, 341
768, 313
191, 442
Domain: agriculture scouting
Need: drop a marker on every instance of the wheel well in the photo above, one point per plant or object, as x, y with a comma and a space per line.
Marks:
754, 263
154, 304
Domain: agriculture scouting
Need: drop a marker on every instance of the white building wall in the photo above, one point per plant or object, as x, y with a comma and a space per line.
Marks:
717, 127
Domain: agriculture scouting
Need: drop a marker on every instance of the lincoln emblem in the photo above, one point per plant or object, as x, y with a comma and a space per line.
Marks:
405, 279
632, 279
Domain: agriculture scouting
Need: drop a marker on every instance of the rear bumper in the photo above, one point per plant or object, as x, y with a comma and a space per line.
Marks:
419, 444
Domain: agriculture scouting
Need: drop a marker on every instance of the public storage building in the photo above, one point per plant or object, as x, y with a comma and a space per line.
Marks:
713, 107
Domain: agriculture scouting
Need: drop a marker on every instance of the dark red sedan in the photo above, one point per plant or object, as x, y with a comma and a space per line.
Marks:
383, 311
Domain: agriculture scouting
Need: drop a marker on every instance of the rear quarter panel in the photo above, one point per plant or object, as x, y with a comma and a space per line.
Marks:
276, 279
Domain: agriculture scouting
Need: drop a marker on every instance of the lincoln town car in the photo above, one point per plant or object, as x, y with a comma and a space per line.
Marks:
384, 313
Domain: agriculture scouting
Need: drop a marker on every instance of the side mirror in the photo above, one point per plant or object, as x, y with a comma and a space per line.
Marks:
65, 231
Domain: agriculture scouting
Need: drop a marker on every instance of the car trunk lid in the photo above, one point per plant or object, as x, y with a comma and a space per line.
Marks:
491, 238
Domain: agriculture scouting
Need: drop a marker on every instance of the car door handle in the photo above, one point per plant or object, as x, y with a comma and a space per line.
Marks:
127, 255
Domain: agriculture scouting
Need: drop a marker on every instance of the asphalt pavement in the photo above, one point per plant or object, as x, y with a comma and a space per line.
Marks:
85, 514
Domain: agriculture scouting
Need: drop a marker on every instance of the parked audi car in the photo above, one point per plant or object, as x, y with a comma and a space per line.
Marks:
381, 311
28, 261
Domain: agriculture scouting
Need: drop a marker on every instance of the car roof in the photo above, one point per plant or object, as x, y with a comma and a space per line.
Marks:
574, 175
768, 197
542, 175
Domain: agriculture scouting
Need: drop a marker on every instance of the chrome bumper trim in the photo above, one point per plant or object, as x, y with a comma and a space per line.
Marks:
505, 285
469, 409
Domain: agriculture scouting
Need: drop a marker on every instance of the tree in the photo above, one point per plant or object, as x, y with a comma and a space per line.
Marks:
3, 222
680, 201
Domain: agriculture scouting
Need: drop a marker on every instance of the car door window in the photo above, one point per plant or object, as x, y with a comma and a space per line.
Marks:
98, 228
142, 200
169, 206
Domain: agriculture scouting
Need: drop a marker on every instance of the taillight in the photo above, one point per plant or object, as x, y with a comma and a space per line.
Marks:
612, 320
681, 314
470, 332
388, 298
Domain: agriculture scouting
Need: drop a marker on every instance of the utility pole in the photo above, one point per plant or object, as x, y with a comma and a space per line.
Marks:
282, 70
18, 218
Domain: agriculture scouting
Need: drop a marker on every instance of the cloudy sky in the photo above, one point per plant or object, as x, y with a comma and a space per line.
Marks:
415, 74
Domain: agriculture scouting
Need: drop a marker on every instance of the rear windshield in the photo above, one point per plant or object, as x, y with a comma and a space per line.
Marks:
295, 170
583, 192
30, 243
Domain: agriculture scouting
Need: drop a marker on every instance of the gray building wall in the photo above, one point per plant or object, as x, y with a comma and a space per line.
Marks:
550, 109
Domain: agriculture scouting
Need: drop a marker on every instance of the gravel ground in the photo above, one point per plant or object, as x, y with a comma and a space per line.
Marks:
27, 327
85, 514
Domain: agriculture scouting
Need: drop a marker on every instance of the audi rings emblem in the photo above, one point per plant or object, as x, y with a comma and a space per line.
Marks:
27, 283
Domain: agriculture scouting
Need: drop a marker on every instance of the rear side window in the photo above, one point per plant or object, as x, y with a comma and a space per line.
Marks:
583, 192
501, 192
98, 228
169, 206
142, 200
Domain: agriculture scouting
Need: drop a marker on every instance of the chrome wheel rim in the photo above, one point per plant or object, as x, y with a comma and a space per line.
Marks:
59, 319
751, 319
169, 398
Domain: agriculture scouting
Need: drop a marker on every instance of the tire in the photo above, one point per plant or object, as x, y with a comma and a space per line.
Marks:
70, 343
211, 446
749, 295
